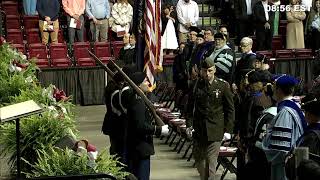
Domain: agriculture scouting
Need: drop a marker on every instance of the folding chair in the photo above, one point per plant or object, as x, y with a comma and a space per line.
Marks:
224, 154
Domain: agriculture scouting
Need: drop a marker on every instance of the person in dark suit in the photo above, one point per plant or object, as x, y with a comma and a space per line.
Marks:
244, 17
210, 112
264, 25
245, 64
140, 129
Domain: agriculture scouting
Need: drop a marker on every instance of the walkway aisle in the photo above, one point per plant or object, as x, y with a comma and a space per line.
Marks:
165, 165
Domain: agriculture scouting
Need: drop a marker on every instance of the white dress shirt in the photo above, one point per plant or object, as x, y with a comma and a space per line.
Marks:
266, 14
249, 8
187, 13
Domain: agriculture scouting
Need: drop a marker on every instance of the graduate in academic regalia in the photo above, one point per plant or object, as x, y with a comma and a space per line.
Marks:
251, 108
285, 129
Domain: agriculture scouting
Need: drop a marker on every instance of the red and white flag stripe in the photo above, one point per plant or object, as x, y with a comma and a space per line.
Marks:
153, 51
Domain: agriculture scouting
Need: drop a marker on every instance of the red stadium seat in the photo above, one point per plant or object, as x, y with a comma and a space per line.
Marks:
13, 22
254, 45
58, 50
31, 22
60, 37
10, 7
63, 62
168, 59
283, 28
59, 55
20, 47
103, 51
33, 36
287, 53
15, 36
277, 43
117, 45
40, 52
81, 54
304, 53
268, 54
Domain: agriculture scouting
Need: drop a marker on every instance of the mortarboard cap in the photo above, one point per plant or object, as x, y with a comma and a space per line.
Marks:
195, 29
258, 76
286, 80
260, 57
219, 36
201, 35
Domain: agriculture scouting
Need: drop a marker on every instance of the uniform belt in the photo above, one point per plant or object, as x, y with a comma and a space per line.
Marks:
99, 19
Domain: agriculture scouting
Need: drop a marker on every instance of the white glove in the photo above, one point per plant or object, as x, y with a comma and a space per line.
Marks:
189, 132
165, 130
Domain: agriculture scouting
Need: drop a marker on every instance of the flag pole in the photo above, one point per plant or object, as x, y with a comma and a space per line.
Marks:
133, 85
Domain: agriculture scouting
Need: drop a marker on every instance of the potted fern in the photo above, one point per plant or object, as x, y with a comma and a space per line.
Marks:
39, 134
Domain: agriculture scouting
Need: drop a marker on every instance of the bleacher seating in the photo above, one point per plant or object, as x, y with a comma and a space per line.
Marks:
268, 54
103, 51
168, 59
10, 7
39, 51
303, 53
117, 45
277, 43
58, 53
33, 35
13, 22
14, 36
81, 54
31, 22
20, 47
286, 53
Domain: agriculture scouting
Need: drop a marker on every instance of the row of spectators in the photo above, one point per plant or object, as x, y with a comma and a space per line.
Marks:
252, 17
260, 18
101, 17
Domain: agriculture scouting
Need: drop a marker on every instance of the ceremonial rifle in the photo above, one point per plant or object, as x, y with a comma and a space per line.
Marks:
133, 86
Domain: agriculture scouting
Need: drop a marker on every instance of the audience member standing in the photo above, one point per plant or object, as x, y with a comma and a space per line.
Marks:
99, 13
29, 7
75, 11
224, 30
126, 53
243, 14
313, 26
48, 24
223, 57
121, 17
169, 40
264, 24
295, 17
188, 15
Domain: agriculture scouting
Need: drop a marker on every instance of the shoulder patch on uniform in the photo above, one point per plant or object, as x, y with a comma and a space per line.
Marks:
224, 81
221, 80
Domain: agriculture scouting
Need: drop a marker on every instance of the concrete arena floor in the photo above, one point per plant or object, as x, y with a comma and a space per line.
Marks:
166, 164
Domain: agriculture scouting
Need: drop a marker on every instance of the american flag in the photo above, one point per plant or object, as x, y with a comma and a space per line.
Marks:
153, 51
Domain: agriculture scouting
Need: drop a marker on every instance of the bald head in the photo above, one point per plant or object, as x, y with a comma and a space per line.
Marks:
246, 44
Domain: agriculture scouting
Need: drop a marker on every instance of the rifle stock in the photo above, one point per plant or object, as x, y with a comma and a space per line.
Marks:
133, 86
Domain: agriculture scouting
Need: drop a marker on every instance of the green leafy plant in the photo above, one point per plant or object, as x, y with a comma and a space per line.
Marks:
39, 133
56, 162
